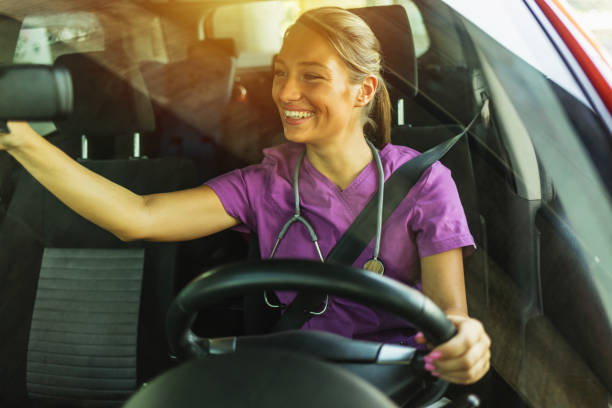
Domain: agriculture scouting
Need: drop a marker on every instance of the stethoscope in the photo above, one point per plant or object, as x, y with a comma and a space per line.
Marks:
373, 264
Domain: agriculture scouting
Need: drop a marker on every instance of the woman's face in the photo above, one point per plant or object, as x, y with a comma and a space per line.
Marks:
312, 90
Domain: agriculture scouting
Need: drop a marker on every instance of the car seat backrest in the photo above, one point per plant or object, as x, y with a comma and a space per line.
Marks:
61, 227
38, 222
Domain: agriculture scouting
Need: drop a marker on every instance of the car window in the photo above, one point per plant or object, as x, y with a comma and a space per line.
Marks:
538, 154
258, 27
594, 17
44, 37
534, 175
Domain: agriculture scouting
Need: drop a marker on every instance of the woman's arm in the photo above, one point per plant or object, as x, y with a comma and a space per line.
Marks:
465, 358
172, 216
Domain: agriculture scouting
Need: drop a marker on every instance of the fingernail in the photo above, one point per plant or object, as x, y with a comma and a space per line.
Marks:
434, 355
419, 335
430, 367
435, 374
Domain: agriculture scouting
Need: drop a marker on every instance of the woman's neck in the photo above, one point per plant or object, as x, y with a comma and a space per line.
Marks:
341, 162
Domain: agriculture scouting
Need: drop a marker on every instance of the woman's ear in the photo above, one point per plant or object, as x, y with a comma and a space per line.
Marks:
367, 90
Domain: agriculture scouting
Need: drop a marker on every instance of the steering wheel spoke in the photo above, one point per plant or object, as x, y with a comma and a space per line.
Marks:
191, 345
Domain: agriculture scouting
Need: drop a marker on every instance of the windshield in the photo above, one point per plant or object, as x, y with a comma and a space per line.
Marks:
184, 88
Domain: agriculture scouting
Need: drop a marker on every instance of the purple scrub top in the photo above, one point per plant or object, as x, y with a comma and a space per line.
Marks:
429, 220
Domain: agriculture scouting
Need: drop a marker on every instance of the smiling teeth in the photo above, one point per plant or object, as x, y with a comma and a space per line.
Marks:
298, 114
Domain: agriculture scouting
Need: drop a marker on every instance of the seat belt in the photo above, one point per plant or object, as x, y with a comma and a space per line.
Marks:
361, 232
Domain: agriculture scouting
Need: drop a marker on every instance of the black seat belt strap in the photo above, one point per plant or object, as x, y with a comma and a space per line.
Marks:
361, 231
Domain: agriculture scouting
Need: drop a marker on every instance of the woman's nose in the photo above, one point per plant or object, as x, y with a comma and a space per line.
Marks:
289, 90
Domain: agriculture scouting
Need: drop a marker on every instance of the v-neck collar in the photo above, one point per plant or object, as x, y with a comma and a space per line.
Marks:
312, 171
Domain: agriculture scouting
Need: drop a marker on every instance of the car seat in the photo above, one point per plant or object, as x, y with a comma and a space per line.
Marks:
97, 303
391, 26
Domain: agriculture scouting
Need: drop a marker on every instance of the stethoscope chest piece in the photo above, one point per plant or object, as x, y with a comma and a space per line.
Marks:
374, 265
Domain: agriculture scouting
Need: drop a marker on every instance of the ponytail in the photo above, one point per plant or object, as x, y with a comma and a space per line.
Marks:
378, 122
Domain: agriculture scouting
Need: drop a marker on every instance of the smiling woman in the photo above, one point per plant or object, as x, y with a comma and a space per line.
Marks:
331, 97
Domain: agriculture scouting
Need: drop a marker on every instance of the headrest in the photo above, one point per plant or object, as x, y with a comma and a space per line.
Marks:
391, 26
196, 89
213, 46
104, 103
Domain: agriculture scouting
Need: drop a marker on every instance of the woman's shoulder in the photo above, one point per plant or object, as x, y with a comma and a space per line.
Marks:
277, 161
397, 155
281, 153
394, 156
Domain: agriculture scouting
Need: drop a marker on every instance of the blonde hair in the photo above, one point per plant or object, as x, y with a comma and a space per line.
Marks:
359, 48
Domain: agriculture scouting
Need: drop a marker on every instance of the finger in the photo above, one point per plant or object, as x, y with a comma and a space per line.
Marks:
457, 319
421, 339
467, 377
469, 333
462, 366
467, 360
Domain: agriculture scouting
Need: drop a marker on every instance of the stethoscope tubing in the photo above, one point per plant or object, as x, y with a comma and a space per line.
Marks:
297, 216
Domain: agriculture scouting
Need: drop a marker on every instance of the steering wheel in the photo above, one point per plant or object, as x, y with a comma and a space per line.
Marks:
285, 274
257, 351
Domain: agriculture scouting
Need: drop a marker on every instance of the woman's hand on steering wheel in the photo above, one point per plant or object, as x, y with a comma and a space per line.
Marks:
465, 358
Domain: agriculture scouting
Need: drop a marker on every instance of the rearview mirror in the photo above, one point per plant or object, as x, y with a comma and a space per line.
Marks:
34, 93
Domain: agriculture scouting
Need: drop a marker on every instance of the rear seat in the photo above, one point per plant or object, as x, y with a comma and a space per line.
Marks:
190, 98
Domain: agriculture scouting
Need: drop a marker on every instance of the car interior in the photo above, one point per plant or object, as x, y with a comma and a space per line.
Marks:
85, 314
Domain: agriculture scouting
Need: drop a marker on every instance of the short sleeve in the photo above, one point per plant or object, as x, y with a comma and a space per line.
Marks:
438, 221
231, 188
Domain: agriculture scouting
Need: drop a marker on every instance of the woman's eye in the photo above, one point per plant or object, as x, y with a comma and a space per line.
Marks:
279, 73
310, 77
